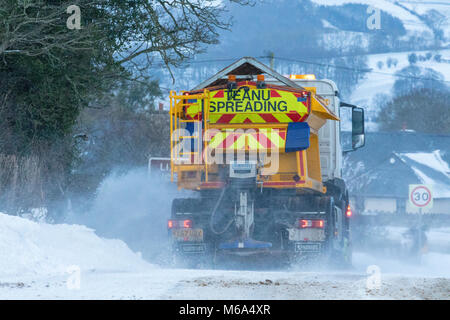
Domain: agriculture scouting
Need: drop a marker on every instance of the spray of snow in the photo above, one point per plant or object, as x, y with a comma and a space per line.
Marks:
133, 207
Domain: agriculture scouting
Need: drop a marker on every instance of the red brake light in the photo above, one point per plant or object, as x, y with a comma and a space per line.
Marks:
179, 224
187, 224
349, 212
303, 223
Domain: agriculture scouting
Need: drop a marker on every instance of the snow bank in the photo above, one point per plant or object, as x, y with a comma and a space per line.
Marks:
28, 247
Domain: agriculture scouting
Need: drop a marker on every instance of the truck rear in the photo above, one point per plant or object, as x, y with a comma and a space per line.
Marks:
263, 153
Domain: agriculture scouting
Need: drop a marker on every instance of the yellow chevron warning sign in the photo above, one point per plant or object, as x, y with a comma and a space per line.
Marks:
252, 105
248, 104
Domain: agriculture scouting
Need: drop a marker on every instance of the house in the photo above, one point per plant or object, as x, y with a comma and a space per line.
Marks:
379, 174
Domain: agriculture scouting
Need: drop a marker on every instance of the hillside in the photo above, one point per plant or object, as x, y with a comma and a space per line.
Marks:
377, 86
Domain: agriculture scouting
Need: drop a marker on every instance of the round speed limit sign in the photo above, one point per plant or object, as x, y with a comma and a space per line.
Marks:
420, 196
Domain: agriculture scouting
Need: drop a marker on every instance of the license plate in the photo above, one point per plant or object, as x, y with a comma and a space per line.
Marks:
187, 234
193, 248
307, 247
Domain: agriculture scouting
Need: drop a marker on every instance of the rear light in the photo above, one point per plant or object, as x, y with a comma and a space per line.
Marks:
303, 223
171, 224
187, 223
349, 212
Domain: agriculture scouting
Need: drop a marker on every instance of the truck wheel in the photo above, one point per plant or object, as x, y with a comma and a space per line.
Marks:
188, 208
342, 258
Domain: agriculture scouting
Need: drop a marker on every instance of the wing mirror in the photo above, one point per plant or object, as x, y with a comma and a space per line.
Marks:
358, 136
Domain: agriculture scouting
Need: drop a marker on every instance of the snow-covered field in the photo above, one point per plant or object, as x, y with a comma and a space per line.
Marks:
411, 22
42, 261
378, 84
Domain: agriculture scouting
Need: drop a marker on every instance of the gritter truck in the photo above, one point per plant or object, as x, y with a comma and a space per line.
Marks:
263, 154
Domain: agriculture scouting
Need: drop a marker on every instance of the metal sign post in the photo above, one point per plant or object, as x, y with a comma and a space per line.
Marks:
420, 196
420, 226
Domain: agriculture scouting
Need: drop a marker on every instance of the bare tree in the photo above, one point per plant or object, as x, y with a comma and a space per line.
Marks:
35, 28
168, 30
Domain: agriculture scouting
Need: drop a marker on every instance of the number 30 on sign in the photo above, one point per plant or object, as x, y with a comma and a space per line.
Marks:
420, 196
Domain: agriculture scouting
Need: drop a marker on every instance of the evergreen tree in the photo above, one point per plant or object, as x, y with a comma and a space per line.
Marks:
422, 110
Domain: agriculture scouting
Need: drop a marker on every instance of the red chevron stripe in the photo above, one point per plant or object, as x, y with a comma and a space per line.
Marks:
268, 142
210, 134
302, 167
294, 116
219, 94
268, 117
274, 94
262, 139
305, 116
226, 118
231, 138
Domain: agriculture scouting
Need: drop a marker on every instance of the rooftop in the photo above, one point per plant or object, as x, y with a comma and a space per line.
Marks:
390, 161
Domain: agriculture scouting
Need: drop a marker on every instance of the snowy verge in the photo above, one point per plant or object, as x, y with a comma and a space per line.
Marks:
28, 247
433, 264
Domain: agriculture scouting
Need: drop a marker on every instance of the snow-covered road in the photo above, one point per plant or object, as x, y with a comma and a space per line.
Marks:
43, 261
219, 284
